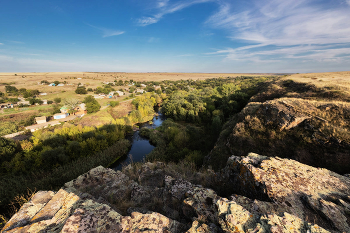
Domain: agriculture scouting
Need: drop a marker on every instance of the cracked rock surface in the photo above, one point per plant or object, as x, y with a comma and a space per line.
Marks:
264, 195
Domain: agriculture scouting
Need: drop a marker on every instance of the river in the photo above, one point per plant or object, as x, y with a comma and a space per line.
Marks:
140, 146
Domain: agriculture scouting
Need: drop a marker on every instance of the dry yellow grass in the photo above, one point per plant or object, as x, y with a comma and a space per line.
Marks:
93, 79
334, 80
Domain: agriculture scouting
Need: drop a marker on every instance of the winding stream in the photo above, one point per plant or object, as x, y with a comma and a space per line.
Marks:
140, 146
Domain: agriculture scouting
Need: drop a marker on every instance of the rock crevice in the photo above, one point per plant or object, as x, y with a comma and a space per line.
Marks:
265, 195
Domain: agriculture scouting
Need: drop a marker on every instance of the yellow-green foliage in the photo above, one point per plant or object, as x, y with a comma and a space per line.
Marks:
49, 148
144, 105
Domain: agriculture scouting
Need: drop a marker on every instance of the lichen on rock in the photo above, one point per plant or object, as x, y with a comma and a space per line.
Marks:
265, 195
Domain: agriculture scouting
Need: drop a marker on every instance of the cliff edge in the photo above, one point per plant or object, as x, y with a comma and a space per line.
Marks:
251, 194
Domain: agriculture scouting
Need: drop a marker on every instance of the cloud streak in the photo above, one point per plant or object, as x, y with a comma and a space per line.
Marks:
301, 29
106, 32
164, 7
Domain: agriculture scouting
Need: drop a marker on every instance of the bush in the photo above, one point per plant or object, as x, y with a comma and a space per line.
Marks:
7, 128
11, 89
56, 109
33, 101
81, 90
7, 149
113, 103
57, 100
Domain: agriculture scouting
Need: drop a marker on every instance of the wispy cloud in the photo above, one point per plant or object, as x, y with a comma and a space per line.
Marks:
164, 7
162, 3
289, 29
15, 42
1, 44
106, 32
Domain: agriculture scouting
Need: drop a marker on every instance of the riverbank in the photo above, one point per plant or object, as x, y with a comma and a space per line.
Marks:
140, 146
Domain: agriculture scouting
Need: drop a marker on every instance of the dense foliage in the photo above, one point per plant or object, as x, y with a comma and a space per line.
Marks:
81, 90
47, 149
199, 108
105, 89
91, 104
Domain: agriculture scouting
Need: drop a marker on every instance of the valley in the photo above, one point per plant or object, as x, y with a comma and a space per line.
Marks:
211, 125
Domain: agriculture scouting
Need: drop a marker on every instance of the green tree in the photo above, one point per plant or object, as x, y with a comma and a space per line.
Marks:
57, 100
91, 104
81, 90
113, 103
56, 82
7, 149
11, 89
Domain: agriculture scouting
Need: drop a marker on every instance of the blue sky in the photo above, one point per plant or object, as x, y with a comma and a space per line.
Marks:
175, 35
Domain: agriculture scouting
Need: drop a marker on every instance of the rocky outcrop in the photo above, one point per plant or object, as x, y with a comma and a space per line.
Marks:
311, 194
265, 195
312, 132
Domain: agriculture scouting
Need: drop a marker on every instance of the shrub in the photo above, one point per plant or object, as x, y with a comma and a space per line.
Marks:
7, 128
113, 103
7, 149
57, 100
81, 90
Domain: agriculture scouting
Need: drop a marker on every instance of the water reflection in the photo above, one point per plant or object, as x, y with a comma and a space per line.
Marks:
140, 145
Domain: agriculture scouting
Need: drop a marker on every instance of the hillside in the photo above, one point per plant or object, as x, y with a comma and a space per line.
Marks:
294, 117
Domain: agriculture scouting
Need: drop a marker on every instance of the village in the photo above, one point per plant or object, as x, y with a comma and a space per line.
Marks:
46, 104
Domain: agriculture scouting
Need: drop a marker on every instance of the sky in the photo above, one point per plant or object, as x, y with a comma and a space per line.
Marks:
250, 36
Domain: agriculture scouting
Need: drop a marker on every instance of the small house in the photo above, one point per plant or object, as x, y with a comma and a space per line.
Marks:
111, 94
24, 102
40, 120
64, 109
60, 85
80, 110
60, 116
43, 93
44, 101
143, 85
140, 91
52, 84
120, 93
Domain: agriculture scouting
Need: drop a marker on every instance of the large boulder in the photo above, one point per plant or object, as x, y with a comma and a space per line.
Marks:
312, 194
262, 195
235, 218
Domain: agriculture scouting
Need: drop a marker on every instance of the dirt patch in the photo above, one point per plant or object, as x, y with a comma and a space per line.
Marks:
122, 110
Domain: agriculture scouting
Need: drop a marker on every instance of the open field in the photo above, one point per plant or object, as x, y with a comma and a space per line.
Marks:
334, 80
95, 79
